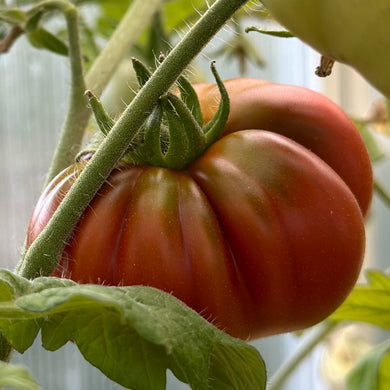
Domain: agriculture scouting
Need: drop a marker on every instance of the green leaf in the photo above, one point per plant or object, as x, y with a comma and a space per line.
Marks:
274, 33
372, 372
21, 328
369, 303
12, 15
132, 334
33, 21
231, 367
43, 39
16, 376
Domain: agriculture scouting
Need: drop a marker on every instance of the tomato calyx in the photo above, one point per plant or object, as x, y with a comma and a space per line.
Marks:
104, 121
174, 134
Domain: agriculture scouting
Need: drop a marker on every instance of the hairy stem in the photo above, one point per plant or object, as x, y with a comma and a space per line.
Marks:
43, 255
76, 120
126, 34
132, 24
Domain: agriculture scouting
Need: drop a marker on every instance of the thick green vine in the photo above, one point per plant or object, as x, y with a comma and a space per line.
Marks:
43, 255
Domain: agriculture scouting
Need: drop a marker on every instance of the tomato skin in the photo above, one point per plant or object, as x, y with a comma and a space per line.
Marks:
259, 235
305, 116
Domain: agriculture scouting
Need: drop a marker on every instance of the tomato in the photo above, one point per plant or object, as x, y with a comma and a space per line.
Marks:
307, 117
258, 234
353, 32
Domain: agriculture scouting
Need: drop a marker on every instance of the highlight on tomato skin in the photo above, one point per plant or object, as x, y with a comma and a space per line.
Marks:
259, 234
305, 116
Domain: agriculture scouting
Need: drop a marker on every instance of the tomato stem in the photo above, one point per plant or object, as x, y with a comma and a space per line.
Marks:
43, 255
126, 34
76, 121
307, 345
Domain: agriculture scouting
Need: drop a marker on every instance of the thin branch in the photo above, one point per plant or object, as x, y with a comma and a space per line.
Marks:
13, 34
285, 370
133, 23
75, 121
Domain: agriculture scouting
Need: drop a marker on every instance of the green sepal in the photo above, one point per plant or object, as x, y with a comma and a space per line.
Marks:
186, 139
190, 98
153, 136
177, 151
149, 152
142, 72
194, 132
91, 146
103, 120
214, 128
172, 137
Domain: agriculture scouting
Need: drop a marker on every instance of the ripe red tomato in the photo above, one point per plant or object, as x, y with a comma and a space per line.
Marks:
259, 234
307, 117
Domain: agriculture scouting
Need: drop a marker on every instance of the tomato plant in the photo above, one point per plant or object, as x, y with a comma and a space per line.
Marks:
253, 217
303, 115
258, 234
